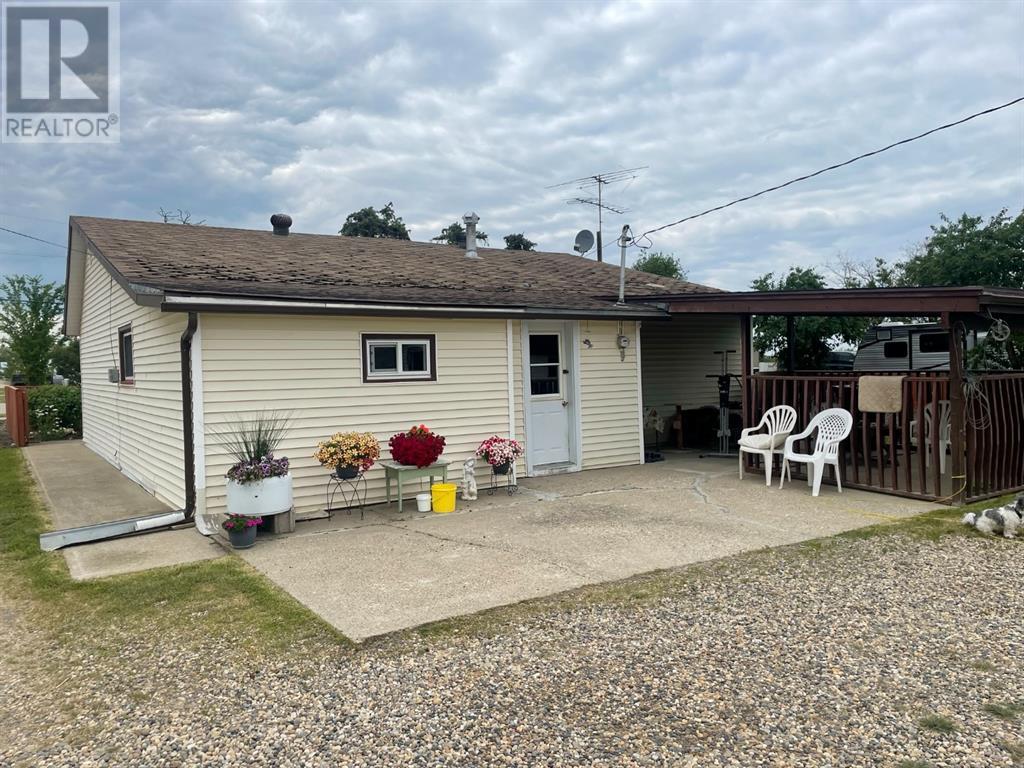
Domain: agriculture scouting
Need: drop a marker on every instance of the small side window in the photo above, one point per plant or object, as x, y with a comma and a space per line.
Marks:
398, 357
895, 349
934, 342
126, 354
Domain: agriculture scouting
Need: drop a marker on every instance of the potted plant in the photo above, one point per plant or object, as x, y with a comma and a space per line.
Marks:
241, 530
500, 453
419, 447
348, 453
258, 483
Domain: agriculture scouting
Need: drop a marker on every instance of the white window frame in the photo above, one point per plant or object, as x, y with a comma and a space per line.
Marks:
398, 341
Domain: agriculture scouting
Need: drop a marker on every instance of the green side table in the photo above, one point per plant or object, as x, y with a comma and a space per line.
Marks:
402, 472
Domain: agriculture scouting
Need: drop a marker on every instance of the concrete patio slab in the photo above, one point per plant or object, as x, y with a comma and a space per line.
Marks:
81, 488
389, 572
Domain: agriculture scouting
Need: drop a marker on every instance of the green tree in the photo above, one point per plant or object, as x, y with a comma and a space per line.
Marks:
66, 359
518, 242
29, 309
815, 336
369, 222
658, 263
455, 234
969, 251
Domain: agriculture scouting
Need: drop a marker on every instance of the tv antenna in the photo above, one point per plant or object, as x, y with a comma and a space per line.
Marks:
597, 182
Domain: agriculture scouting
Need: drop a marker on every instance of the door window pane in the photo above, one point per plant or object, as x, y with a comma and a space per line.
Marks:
544, 379
544, 348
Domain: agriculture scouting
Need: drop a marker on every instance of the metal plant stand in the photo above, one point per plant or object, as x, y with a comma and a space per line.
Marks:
353, 494
511, 486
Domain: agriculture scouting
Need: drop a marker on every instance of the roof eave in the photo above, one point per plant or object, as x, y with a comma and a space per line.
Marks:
174, 302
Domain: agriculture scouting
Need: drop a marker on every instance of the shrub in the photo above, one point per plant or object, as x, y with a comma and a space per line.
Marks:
55, 411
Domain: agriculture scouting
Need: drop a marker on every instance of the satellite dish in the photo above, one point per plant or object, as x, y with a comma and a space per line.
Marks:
584, 241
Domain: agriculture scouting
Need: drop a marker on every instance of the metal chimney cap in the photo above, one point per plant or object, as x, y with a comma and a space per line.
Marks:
281, 222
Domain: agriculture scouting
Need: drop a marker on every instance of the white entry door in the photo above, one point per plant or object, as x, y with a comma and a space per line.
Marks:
550, 385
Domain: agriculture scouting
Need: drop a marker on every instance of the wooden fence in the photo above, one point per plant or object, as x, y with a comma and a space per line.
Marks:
16, 403
909, 453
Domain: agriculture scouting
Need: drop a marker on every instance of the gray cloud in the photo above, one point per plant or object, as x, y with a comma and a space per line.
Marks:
239, 110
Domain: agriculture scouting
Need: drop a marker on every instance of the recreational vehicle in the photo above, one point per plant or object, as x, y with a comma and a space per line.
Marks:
904, 347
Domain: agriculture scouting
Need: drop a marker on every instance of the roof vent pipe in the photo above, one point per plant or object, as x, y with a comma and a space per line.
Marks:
281, 222
471, 220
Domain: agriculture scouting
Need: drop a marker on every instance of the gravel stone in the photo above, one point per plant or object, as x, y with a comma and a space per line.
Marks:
789, 657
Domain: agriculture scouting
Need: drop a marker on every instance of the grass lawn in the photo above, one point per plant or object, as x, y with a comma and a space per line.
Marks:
222, 597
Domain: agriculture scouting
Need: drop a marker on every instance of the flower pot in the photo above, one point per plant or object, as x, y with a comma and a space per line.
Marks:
244, 538
501, 469
346, 471
270, 496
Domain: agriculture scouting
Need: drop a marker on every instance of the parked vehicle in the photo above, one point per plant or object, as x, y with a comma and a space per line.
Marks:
905, 347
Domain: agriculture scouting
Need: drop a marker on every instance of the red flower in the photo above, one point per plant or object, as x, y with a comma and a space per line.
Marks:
419, 447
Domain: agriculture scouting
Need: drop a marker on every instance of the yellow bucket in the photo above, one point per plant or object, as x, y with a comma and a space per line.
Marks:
443, 496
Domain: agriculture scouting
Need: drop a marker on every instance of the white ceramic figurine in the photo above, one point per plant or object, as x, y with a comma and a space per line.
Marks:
469, 479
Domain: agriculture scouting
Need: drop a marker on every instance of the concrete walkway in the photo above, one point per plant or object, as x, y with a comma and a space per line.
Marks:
80, 488
390, 572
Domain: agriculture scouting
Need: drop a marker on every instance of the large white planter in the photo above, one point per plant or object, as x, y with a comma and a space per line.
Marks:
265, 497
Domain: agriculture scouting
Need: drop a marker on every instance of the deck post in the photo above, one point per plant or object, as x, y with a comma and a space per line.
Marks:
957, 420
790, 343
746, 364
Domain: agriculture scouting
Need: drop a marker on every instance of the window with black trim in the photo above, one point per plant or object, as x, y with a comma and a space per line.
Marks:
398, 357
126, 353
934, 342
895, 349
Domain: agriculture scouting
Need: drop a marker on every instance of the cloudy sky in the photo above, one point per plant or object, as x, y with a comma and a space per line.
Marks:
237, 110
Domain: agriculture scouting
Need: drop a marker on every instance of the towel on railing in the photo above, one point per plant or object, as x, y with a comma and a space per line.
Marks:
880, 394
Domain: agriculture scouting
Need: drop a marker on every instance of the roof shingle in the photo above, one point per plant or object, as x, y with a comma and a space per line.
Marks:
218, 261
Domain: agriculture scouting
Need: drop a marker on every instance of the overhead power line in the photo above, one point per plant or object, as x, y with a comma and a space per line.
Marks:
33, 237
829, 168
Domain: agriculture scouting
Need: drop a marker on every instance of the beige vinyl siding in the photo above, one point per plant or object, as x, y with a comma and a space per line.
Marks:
311, 367
608, 393
677, 356
137, 428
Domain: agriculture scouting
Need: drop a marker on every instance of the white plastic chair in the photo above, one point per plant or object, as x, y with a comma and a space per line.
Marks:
833, 426
945, 434
778, 423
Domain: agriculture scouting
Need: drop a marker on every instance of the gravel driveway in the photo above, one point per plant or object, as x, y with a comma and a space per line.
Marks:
882, 651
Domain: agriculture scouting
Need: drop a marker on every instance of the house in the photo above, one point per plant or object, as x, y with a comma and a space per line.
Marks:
183, 328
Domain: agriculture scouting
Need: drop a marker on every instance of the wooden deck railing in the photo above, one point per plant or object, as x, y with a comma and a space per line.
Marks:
885, 451
995, 434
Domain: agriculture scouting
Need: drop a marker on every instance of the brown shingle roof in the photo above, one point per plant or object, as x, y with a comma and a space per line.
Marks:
217, 261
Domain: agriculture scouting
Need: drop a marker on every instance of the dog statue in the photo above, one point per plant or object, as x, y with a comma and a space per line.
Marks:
469, 479
1005, 520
